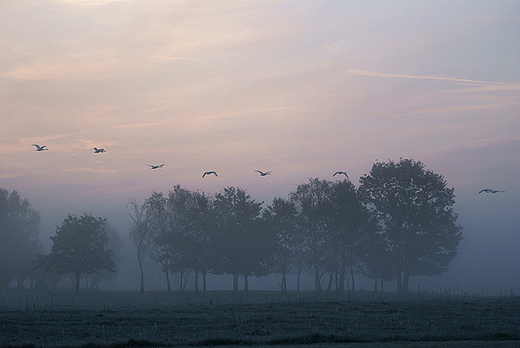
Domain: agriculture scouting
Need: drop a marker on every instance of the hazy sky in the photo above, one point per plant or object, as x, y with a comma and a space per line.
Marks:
302, 88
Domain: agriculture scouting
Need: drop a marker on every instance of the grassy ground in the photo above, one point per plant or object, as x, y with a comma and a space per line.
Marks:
257, 318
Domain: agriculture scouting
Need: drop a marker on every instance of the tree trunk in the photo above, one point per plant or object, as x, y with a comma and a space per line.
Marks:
375, 285
197, 281
78, 276
406, 277
284, 281
341, 281
331, 278
235, 282
246, 284
168, 280
139, 259
352, 276
399, 283
204, 282
317, 279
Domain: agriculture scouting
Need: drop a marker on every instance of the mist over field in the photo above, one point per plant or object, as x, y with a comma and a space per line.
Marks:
300, 88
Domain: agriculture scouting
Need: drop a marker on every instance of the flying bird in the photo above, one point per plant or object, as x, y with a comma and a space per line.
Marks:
96, 150
210, 172
40, 148
263, 173
156, 166
490, 191
341, 172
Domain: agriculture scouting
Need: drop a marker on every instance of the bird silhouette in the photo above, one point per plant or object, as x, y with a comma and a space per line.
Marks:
341, 172
209, 172
96, 150
40, 148
263, 173
156, 166
490, 191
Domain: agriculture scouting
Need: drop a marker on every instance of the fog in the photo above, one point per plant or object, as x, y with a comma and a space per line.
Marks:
486, 263
301, 88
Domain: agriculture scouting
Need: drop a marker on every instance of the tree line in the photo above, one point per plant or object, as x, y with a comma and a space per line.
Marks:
399, 222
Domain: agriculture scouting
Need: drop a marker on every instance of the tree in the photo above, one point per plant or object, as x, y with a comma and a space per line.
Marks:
312, 201
349, 228
417, 221
79, 248
244, 242
179, 203
115, 243
281, 216
19, 245
158, 242
199, 226
139, 233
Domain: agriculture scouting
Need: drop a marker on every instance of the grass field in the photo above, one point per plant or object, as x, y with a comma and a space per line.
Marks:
125, 319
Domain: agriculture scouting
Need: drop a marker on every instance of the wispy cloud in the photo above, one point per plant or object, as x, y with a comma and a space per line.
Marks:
10, 175
162, 57
90, 2
453, 109
423, 77
140, 125
44, 138
91, 170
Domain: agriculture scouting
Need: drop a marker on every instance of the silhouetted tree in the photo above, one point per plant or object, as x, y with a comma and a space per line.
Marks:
19, 245
115, 243
312, 200
244, 242
79, 248
281, 216
178, 204
199, 226
349, 228
139, 233
417, 221
160, 249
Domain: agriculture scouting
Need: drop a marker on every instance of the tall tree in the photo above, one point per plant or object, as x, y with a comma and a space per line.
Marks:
179, 203
312, 199
79, 248
159, 243
19, 244
281, 216
349, 227
139, 233
417, 220
199, 225
115, 243
244, 242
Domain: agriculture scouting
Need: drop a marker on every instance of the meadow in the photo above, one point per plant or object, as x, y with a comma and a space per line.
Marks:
225, 318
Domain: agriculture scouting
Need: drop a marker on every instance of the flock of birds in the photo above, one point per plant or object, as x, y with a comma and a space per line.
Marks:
212, 172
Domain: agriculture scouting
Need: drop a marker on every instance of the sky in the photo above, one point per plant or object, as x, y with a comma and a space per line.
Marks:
302, 88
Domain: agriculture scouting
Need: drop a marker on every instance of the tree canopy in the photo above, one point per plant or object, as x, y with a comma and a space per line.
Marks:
398, 223
19, 245
79, 247
415, 216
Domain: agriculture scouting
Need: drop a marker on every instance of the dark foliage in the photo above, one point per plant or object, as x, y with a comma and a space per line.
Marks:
79, 247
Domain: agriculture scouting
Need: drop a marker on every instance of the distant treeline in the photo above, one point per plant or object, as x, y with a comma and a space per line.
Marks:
398, 223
